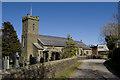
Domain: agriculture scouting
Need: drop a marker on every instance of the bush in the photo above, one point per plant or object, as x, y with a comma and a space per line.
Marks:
104, 53
115, 65
116, 54
114, 61
110, 54
21, 64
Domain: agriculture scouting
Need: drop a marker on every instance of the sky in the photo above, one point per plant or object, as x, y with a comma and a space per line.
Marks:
82, 20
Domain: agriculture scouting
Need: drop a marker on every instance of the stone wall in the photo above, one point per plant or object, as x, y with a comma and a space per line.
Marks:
41, 71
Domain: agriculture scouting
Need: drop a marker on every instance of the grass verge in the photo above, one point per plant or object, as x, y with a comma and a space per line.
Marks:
67, 72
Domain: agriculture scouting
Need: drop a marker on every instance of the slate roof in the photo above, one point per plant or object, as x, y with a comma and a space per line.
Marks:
82, 45
52, 40
59, 41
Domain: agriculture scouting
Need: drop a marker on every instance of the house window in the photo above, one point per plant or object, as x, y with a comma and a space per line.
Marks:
101, 47
33, 27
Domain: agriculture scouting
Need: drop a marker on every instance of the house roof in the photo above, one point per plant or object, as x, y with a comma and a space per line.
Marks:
82, 45
102, 47
59, 41
93, 47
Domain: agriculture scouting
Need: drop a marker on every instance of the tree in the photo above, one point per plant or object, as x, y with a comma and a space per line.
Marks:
110, 34
111, 29
10, 41
111, 42
70, 48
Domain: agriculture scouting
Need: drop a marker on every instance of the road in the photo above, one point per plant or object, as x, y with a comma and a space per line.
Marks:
93, 69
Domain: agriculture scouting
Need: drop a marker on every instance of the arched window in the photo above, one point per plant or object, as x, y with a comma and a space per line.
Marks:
23, 41
62, 49
33, 27
77, 52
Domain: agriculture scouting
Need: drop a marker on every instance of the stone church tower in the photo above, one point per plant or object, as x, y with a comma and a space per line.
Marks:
30, 35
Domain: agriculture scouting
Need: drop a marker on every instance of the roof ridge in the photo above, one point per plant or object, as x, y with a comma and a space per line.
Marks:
52, 36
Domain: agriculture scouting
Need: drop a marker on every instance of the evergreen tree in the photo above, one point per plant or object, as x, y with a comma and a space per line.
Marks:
70, 48
10, 41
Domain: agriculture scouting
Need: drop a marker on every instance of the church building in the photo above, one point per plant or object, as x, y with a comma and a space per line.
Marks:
44, 46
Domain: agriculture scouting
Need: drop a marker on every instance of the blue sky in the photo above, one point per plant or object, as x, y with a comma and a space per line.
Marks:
82, 20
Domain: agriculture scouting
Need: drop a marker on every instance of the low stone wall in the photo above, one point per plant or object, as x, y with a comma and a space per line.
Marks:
41, 71
82, 57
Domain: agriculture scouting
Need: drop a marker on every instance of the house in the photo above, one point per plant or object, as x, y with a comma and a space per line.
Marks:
102, 48
43, 46
94, 50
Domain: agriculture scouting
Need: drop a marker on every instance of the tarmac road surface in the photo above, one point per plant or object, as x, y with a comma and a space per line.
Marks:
93, 69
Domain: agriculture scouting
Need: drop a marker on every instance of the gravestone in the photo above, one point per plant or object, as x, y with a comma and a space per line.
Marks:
3, 59
5, 62
0, 62
16, 64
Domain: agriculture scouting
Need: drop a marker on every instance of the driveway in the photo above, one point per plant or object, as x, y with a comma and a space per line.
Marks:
93, 69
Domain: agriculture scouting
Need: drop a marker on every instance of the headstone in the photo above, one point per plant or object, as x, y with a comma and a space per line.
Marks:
31, 59
118, 43
16, 64
7, 62
3, 62
0, 62
25, 63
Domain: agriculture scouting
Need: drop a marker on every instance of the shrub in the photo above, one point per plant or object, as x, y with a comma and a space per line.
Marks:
116, 54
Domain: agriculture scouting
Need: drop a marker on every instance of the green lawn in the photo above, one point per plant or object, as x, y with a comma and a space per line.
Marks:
67, 72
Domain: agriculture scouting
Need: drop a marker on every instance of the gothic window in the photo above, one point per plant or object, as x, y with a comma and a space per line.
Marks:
24, 26
78, 52
62, 49
33, 27
23, 41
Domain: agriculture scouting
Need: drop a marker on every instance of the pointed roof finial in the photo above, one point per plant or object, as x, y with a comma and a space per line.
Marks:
31, 10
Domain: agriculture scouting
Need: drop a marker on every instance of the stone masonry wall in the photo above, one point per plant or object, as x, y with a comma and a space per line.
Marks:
41, 71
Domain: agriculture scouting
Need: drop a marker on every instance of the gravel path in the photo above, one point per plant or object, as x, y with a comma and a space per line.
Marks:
93, 69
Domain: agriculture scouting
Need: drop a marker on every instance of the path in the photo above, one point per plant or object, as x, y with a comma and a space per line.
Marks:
93, 69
